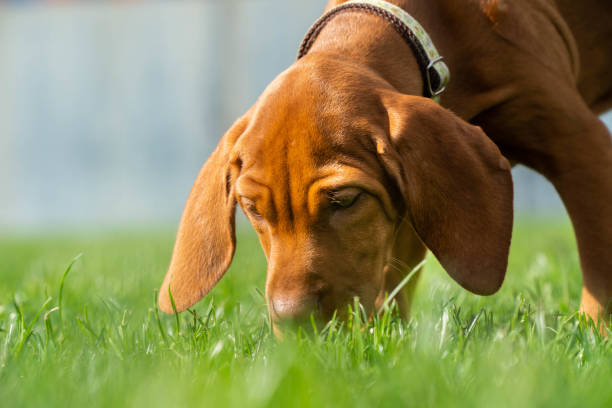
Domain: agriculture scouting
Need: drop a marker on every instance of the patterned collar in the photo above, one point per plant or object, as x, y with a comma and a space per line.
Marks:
436, 74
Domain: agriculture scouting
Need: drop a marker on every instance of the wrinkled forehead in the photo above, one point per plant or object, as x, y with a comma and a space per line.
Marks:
309, 119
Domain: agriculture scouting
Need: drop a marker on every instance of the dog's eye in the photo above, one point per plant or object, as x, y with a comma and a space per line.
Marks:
254, 211
340, 201
251, 208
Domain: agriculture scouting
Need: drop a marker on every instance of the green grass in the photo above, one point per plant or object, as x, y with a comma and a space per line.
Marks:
103, 344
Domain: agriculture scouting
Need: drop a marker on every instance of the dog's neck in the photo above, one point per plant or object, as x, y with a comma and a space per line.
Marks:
368, 40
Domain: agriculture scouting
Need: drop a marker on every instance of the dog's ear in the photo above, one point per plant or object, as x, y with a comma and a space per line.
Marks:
206, 237
457, 189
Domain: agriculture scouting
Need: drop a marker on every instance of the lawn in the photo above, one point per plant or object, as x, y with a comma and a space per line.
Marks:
100, 342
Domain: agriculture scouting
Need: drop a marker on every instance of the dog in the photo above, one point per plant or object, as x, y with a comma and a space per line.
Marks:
349, 171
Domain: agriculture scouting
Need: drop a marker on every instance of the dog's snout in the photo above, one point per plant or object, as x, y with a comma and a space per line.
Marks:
288, 309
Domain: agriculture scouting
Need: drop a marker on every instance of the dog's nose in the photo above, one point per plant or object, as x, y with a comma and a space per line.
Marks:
285, 309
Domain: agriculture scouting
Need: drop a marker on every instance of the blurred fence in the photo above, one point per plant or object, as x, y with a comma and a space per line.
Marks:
108, 109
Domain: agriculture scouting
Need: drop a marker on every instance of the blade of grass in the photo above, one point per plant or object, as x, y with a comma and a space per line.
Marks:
49, 327
176, 314
20, 318
61, 288
28, 331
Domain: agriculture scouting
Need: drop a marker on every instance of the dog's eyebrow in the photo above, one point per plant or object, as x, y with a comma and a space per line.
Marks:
254, 189
343, 177
252, 180
250, 187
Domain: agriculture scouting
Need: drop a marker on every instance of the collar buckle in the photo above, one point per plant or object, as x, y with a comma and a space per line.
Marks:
442, 84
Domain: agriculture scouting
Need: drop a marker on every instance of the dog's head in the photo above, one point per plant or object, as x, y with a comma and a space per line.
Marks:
326, 165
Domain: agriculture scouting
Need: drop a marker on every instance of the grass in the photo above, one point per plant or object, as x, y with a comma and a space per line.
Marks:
93, 337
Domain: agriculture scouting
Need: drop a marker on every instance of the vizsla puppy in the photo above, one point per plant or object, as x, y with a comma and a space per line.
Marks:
349, 174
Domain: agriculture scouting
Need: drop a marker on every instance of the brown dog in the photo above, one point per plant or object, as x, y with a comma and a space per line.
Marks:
348, 174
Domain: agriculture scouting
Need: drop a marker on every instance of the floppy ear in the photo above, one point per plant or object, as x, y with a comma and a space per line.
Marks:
206, 238
457, 189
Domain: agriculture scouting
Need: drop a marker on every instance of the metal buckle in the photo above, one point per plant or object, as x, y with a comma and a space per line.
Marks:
427, 74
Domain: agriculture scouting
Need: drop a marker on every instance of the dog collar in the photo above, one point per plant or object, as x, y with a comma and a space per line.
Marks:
436, 74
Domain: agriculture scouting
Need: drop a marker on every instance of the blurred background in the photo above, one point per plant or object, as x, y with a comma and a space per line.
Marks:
109, 108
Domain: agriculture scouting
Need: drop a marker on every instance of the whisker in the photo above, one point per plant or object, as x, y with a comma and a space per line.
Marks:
399, 262
396, 267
